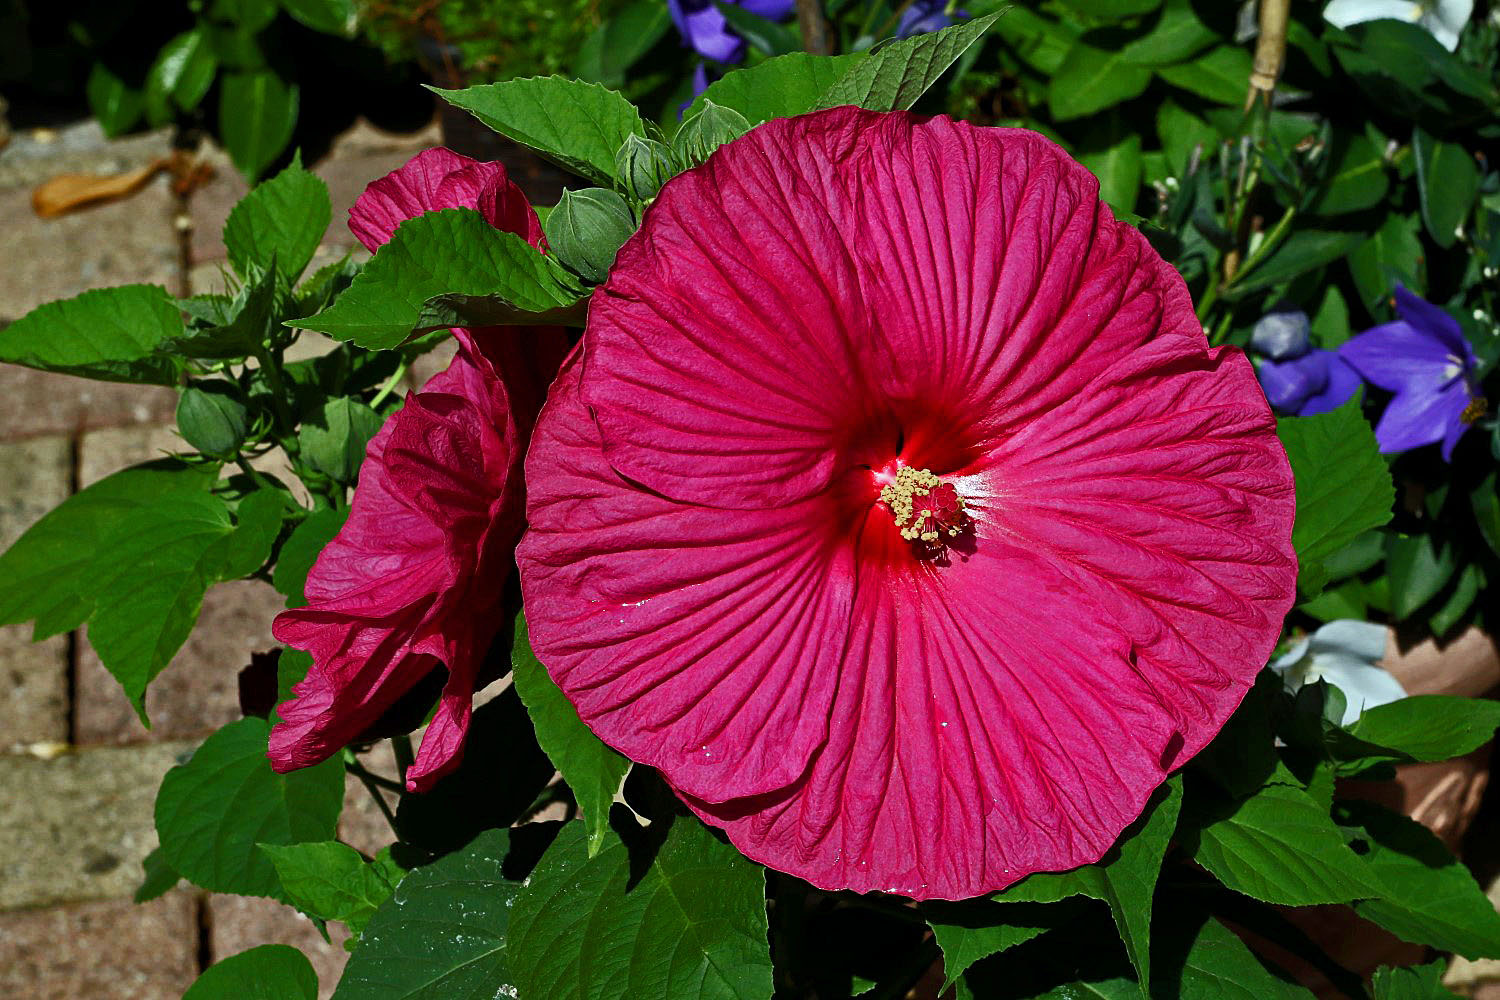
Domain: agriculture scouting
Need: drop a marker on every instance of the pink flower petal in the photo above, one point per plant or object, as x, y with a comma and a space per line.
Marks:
704, 644
435, 179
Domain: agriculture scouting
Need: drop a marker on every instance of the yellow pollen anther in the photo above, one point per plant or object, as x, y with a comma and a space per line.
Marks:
1478, 407
942, 515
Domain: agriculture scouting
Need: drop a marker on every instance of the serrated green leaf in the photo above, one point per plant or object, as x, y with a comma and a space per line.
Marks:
1177, 35
1091, 79
975, 929
267, 972
281, 220
1427, 895
591, 769
443, 933
782, 87
1279, 846
257, 113
213, 811
300, 551
1418, 566
576, 125
1343, 485
893, 78
112, 334
440, 255
1221, 75
690, 925
1416, 982
241, 327
1217, 965
1447, 183
330, 881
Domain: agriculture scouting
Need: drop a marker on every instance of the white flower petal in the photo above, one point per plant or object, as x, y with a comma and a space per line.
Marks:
1361, 640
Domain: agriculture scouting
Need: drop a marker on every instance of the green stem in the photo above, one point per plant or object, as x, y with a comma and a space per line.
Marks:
372, 783
390, 384
401, 746
287, 438
1267, 246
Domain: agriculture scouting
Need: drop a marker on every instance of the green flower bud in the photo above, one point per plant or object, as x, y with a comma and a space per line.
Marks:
586, 229
211, 418
707, 131
643, 166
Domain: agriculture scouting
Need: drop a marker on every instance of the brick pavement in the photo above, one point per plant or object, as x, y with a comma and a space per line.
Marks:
78, 772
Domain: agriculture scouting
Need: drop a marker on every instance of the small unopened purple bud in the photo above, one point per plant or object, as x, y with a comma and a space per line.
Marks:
1281, 334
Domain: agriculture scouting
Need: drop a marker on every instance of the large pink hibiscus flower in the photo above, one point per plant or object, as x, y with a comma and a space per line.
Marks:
414, 579
896, 509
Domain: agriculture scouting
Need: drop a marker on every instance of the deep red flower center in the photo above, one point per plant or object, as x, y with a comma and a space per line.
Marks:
928, 511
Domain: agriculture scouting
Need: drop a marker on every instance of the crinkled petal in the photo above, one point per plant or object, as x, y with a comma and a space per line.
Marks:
973, 740
1418, 417
1400, 357
435, 179
1166, 495
705, 644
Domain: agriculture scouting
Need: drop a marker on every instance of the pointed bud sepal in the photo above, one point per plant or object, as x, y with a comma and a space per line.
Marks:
586, 230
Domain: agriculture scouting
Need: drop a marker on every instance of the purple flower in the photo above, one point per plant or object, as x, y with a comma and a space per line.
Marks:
1425, 360
706, 31
926, 15
1316, 382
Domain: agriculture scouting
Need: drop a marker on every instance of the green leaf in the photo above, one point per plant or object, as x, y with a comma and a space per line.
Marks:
1303, 251
1280, 846
1392, 253
1357, 177
438, 255
1343, 486
236, 330
975, 929
132, 555
577, 125
161, 878
1114, 155
280, 220
1221, 76
112, 334
300, 551
1040, 42
257, 112
1428, 896
442, 934
689, 924
116, 104
1178, 35
893, 78
1091, 79
1217, 965
1125, 877
1112, 10
617, 44
330, 881
1429, 727
592, 769
1417, 982
1418, 566
334, 442
214, 811
1448, 183
268, 972
782, 87
1180, 132
332, 17
182, 73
